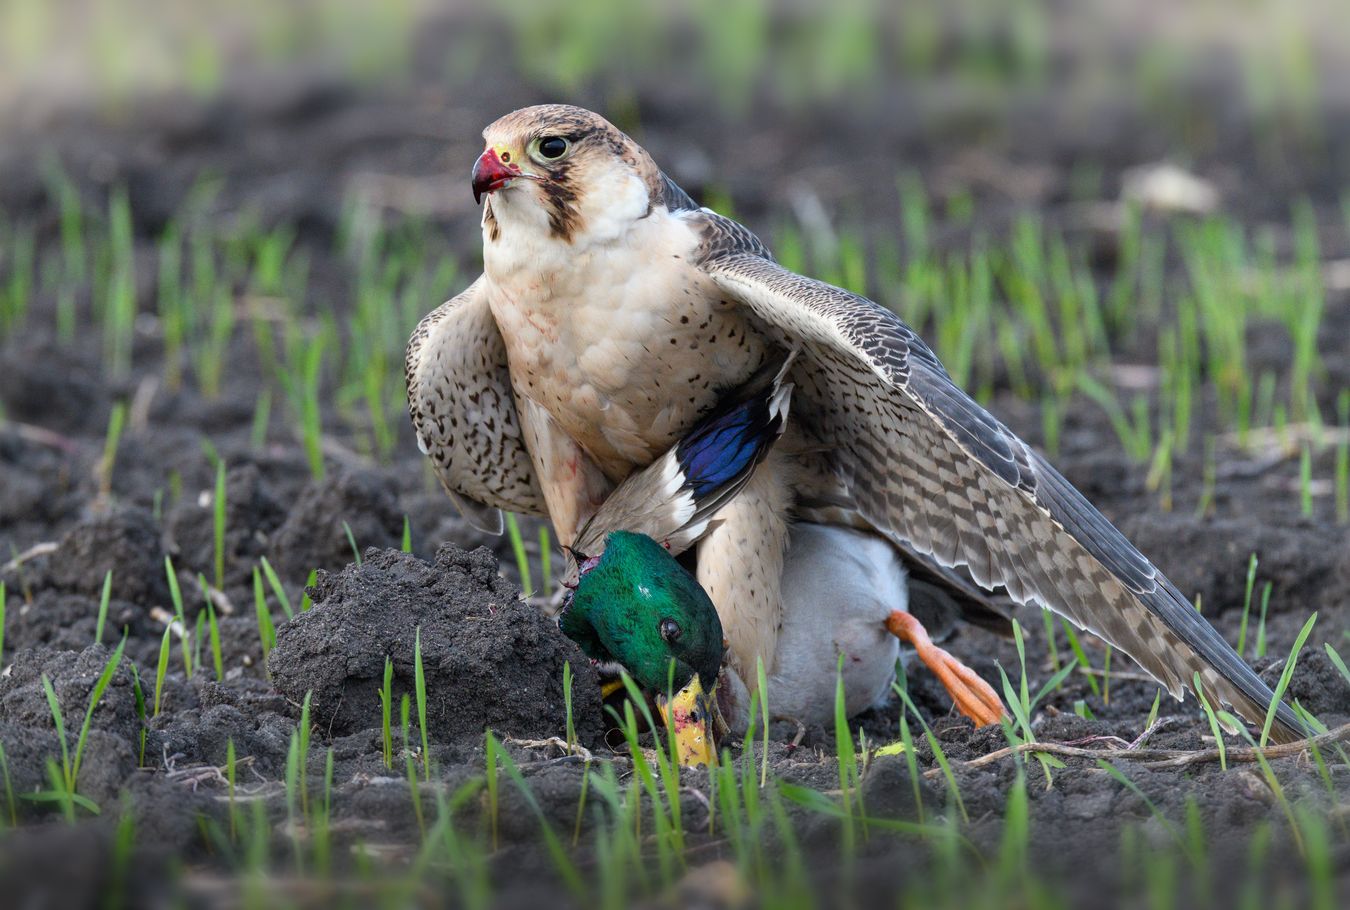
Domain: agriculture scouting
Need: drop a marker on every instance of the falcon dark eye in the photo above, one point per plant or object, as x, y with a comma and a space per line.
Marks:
670, 631
552, 147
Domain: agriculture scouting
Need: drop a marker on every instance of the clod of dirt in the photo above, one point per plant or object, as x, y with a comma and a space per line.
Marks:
257, 720
252, 512
313, 536
1317, 685
889, 792
40, 485
28, 729
125, 541
45, 385
1211, 556
66, 622
26, 753
491, 661
73, 674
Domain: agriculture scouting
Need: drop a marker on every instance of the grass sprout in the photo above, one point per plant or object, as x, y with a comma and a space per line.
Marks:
176, 595
953, 788
420, 686
569, 724
351, 541
218, 525
1214, 726
65, 777
1023, 706
1285, 676
212, 629
267, 631
278, 589
103, 599
11, 810
567, 870
1247, 604
387, 712
518, 548
161, 669
117, 419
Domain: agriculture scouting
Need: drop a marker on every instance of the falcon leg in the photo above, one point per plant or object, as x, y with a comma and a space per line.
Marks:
740, 565
572, 484
974, 697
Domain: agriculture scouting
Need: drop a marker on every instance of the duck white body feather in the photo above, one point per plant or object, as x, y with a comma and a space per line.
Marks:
838, 588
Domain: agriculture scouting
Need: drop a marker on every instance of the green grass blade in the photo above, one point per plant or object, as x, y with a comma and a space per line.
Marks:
161, 668
213, 631
1214, 726
1337, 661
1285, 677
351, 541
55, 706
420, 684
518, 548
267, 632
104, 597
278, 589
218, 525
95, 696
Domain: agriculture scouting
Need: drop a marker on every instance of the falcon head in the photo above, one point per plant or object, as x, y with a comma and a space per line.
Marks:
564, 172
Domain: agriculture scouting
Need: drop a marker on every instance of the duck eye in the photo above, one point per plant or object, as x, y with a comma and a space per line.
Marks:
552, 147
670, 631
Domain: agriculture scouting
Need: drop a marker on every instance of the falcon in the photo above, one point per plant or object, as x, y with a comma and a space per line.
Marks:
612, 314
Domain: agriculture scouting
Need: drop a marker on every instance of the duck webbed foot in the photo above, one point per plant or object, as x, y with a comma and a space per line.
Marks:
974, 697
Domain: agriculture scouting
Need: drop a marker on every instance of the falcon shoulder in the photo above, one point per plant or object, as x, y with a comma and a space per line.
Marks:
461, 405
929, 467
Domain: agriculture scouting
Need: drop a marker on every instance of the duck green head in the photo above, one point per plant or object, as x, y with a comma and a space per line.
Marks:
638, 607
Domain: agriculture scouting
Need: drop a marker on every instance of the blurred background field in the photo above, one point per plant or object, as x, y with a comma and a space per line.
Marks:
1004, 175
1125, 227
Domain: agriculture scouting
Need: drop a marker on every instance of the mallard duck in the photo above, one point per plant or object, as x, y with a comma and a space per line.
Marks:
630, 602
846, 593
613, 312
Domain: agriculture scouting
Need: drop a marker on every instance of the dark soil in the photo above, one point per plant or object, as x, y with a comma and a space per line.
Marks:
476, 635
491, 661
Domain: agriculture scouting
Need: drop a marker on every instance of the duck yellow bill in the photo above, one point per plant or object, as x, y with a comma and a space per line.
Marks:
692, 715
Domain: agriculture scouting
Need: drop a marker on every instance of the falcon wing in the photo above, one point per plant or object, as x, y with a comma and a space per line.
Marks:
460, 401
930, 468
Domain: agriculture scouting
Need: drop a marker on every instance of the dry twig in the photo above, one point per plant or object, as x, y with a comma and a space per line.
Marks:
1156, 758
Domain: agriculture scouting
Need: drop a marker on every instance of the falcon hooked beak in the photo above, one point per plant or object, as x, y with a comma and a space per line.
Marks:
493, 171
